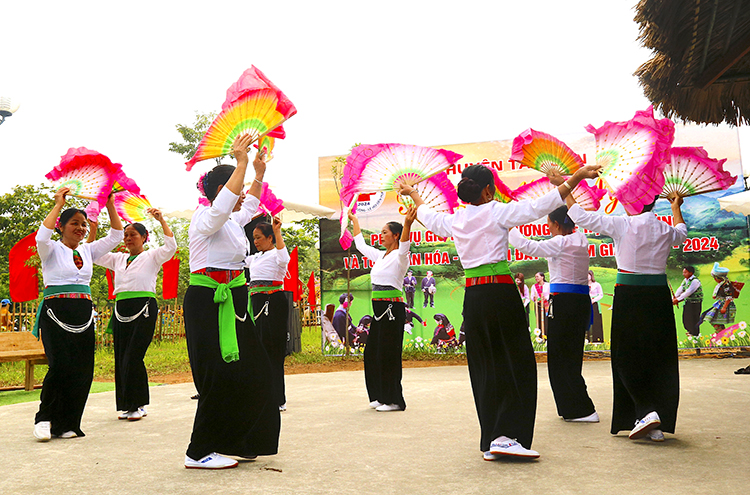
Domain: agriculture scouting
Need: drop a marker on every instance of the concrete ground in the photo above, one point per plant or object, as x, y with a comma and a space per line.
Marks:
331, 442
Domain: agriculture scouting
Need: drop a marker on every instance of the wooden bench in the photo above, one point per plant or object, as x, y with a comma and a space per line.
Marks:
22, 346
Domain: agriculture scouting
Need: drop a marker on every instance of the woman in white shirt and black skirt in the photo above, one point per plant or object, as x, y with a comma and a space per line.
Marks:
645, 371
236, 413
66, 316
382, 357
269, 303
498, 348
135, 314
569, 312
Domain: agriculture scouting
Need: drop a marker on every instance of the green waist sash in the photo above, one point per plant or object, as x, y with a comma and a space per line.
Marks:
386, 294
52, 290
230, 351
641, 278
499, 268
121, 296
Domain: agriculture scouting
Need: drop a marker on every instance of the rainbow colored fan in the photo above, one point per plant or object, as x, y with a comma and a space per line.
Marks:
544, 153
267, 143
587, 197
438, 192
690, 171
373, 168
132, 207
254, 106
87, 173
633, 155
503, 193
125, 183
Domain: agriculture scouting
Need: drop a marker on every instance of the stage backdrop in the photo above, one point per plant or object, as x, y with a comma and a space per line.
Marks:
713, 235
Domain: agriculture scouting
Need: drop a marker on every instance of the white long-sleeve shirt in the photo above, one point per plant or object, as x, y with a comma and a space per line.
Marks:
58, 267
268, 265
481, 232
386, 270
141, 274
217, 237
595, 292
681, 294
642, 242
567, 255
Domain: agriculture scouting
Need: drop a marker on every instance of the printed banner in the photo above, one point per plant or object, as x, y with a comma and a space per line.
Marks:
713, 235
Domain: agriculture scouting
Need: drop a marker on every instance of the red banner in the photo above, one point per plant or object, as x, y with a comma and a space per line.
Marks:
110, 284
24, 279
170, 278
311, 300
291, 279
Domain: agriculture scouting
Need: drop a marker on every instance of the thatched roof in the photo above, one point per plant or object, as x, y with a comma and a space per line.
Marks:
700, 70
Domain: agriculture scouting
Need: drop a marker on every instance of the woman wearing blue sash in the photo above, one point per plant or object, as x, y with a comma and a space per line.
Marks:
269, 303
382, 357
66, 316
569, 312
499, 352
134, 318
236, 414
645, 372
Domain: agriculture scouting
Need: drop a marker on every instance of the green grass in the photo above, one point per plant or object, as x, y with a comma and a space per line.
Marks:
18, 396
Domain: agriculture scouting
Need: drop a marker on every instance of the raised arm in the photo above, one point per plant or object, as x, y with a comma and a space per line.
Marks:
411, 215
51, 218
355, 224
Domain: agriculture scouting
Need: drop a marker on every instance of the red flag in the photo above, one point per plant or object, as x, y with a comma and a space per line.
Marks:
311, 292
24, 279
291, 279
170, 278
110, 284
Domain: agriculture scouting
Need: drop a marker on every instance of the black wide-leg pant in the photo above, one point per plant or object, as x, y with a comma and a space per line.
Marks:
71, 364
273, 331
568, 322
382, 357
236, 413
131, 341
501, 361
645, 369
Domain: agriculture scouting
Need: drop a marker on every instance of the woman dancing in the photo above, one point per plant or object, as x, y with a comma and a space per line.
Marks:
384, 343
135, 314
66, 316
645, 371
569, 312
499, 352
236, 412
269, 303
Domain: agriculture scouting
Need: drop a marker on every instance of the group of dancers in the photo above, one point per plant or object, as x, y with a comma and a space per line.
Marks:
236, 331
236, 336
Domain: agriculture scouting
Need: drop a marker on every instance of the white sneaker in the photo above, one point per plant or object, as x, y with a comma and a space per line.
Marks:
211, 461
282, 407
123, 415
388, 407
143, 411
489, 456
591, 418
506, 446
375, 404
135, 415
42, 431
656, 435
69, 434
643, 426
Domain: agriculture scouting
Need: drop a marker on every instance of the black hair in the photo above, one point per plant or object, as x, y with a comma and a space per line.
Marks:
544, 279
395, 228
218, 176
267, 230
689, 268
442, 319
474, 179
343, 297
650, 207
139, 227
65, 217
560, 217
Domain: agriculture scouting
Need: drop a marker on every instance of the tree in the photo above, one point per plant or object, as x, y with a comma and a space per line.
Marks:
305, 235
192, 135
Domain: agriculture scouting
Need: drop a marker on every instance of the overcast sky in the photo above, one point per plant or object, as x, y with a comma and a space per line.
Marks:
117, 77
